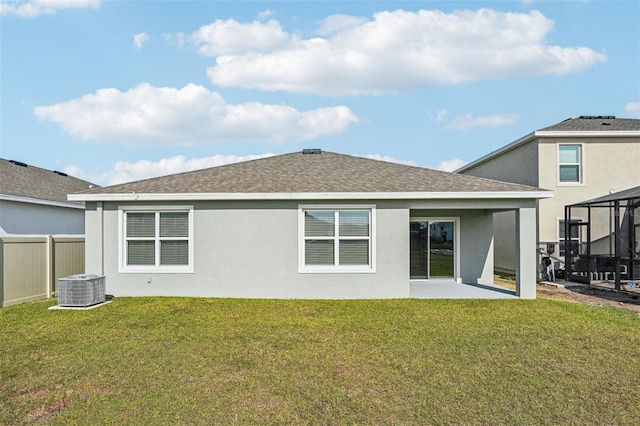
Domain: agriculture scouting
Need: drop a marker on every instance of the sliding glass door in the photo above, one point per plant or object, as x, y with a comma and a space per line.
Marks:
431, 249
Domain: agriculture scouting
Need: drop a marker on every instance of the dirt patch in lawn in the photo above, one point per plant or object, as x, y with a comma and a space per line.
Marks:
596, 295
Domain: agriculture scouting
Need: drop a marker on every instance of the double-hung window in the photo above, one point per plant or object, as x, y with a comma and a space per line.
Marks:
337, 239
156, 240
569, 164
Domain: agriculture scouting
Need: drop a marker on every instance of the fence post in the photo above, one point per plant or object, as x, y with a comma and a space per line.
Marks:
1, 272
49, 262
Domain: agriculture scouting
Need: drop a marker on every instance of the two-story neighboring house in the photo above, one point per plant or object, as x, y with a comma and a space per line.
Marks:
579, 159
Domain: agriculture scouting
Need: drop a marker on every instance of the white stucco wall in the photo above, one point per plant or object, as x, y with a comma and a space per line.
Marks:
17, 218
250, 250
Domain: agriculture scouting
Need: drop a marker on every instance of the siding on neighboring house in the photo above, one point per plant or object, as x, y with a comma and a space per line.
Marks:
19, 218
33, 201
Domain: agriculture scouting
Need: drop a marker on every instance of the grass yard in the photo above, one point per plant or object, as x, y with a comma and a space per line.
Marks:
219, 361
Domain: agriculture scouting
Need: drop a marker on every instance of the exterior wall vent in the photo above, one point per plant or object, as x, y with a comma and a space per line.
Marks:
312, 151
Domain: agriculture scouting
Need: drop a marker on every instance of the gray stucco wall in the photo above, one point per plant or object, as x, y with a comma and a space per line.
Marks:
608, 165
37, 219
250, 250
518, 165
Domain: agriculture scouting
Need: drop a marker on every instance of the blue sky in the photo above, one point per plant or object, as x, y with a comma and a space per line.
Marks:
113, 91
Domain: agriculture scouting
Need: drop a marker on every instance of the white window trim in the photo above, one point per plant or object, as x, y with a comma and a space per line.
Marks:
581, 165
145, 269
333, 269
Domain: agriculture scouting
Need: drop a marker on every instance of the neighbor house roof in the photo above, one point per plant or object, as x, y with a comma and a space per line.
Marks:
321, 173
595, 123
583, 126
26, 183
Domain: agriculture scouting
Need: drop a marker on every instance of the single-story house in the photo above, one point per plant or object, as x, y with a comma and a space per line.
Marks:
310, 224
33, 201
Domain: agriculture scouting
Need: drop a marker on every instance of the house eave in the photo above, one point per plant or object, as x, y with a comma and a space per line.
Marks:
232, 196
29, 200
547, 134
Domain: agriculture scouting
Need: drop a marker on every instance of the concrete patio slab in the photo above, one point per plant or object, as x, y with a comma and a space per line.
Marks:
449, 289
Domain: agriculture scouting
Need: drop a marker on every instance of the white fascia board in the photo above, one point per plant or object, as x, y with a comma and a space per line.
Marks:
231, 196
548, 134
29, 200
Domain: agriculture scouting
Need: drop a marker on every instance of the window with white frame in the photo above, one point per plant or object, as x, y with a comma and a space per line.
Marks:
569, 164
336, 239
574, 237
157, 240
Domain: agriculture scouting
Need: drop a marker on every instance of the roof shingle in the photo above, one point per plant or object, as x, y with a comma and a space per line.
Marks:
325, 172
598, 123
22, 180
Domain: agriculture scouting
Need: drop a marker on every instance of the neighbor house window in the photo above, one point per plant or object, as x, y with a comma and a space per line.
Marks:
574, 237
569, 164
156, 240
336, 240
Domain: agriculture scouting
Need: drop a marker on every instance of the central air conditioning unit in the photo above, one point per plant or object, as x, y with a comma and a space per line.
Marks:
81, 290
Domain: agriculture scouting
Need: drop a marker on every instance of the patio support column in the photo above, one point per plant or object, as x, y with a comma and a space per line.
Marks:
526, 252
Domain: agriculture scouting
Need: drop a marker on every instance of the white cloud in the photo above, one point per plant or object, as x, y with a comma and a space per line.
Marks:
124, 171
232, 37
175, 39
392, 52
35, 8
440, 115
337, 23
467, 122
451, 165
193, 114
265, 14
633, 109
140, 39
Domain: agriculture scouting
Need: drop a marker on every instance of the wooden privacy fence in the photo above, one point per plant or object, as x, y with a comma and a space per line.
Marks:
30, 266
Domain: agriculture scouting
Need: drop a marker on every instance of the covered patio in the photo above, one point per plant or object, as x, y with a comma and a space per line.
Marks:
602, 239
447, 288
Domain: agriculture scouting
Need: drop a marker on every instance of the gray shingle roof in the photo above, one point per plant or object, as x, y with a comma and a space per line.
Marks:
312, 173
19, 179
594, 124
600, 123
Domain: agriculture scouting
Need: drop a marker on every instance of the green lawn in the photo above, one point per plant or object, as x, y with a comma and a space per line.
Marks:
219, 361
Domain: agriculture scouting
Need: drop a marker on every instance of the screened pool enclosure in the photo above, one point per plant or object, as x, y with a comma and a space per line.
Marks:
601, 239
